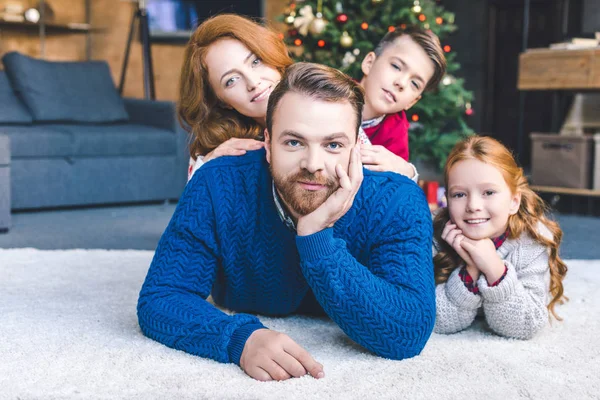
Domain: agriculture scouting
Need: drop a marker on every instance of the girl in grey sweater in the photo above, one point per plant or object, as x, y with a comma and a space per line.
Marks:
495, 251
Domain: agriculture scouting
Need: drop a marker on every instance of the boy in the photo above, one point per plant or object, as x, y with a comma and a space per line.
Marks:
404, 64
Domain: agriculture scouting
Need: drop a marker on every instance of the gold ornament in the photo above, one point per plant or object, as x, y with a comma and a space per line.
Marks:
346, 40
318, 25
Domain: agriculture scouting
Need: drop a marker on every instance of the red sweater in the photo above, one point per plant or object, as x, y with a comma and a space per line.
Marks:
391, 133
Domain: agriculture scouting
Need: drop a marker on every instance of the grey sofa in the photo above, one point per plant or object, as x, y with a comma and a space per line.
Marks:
74, 141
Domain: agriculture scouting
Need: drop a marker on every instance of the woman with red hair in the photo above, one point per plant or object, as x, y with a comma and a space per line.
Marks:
231, 65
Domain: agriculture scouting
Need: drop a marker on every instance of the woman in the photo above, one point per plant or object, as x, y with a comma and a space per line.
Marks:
231, 66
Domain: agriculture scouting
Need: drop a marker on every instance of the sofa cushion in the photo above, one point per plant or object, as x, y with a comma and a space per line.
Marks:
120, 140
12, 110
38, 141
65, 91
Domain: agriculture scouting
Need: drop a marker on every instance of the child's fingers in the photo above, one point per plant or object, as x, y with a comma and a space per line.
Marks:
449, 226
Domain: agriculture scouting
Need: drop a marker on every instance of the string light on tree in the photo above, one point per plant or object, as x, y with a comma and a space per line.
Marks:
439, 20
321, 43
290, 18
364, 26
415, 117
447, 48
422, 17
298, 42
417, 7
391, 28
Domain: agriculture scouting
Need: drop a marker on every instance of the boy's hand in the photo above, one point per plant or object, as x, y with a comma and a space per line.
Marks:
339, 202
270, 355
378, 158
234, 147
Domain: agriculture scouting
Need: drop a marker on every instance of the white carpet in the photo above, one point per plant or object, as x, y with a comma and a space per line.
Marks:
68, 329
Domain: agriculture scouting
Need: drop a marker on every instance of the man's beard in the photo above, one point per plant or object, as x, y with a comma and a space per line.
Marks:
302, 201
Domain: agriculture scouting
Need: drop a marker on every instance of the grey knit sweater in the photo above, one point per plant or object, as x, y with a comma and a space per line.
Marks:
516, 308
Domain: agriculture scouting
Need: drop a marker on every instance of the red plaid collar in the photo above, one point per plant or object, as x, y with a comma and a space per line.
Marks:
500, 239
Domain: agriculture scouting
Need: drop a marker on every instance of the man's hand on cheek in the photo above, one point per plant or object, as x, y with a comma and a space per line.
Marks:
378, 158
339, 202
270, 355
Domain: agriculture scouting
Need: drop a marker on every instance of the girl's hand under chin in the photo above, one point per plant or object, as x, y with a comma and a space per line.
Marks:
483, 253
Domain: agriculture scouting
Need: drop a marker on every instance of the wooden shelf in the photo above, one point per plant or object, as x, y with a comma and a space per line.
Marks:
563, 190
50, 27
548, 69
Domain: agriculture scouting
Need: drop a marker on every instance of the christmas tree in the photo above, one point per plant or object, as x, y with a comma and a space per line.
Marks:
339, 33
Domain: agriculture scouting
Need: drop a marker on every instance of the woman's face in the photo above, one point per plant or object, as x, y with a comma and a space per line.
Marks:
240, 79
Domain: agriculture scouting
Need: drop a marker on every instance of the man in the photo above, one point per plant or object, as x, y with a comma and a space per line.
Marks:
294, 228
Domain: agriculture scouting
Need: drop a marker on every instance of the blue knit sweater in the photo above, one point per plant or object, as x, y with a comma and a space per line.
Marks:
372, 272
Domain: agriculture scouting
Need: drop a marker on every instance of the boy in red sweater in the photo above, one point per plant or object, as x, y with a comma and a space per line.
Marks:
404, 64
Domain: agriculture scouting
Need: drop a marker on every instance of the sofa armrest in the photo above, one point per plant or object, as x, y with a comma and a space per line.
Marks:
159, 114
162, 114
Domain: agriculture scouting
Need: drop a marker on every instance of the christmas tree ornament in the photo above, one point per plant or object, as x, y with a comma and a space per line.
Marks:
342, 18
422, 17
439, 20
290, 18
391, 28
348, 59
426, 26
376, 1
346, 40
298, 42
356, 52
318, 25
339, 8
321, 43
364, 26
447, 48
448, 80
303, 21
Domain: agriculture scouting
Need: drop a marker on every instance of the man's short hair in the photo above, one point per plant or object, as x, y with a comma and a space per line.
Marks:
428, 42
320, 83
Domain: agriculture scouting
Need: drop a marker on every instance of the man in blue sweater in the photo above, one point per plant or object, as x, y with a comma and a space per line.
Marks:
295, 228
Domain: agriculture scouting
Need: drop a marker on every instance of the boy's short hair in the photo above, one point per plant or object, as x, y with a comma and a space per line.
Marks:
428, 42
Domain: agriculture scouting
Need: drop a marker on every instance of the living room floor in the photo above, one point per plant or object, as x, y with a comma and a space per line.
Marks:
139, 227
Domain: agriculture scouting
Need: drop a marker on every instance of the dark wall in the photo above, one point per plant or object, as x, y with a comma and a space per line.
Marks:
470, 44
591, 16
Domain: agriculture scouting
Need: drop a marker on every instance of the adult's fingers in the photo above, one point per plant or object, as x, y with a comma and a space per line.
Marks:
290, 364
275, 370
259, 374
304, 358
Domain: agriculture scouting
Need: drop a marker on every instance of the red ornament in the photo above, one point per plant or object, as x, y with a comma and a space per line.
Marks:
391, 28
447, 48
342, 18
469, 111
321, 43
298, 42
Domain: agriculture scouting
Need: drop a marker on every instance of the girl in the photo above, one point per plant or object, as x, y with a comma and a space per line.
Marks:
231, 65
494, 247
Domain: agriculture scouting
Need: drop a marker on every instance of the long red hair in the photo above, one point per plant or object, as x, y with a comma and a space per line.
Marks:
199, 110
531, 211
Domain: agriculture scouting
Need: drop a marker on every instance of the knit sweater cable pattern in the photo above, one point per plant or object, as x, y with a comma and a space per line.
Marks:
372, 272
516, 307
